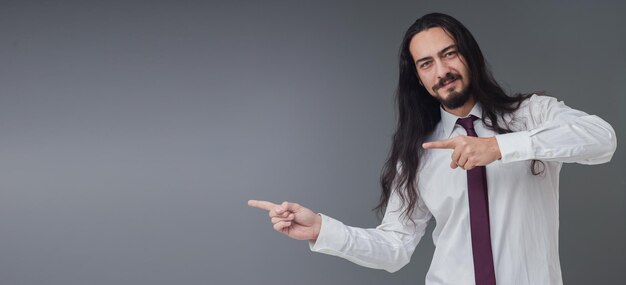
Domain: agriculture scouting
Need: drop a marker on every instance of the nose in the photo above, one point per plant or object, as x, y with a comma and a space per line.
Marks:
442, 68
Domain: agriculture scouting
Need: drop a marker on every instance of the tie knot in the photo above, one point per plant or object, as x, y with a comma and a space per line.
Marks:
467, 123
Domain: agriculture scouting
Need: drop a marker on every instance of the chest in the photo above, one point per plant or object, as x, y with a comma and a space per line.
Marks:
444, 190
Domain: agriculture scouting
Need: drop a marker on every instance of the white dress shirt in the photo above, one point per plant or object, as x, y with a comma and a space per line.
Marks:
523, 208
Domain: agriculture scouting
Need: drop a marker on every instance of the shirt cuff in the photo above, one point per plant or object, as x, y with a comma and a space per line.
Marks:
515, 146
332, 236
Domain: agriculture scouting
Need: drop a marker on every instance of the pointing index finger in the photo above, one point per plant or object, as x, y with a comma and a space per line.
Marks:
449, 144
263, 205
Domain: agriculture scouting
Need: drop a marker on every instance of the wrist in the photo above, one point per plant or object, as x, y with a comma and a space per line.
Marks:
317, 226
496, 148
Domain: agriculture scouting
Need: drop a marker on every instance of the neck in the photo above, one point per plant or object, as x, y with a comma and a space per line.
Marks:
464, 110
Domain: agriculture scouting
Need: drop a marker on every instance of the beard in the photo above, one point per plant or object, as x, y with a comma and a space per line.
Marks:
455, 99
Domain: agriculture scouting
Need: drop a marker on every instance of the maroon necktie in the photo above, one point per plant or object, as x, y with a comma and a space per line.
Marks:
479, 216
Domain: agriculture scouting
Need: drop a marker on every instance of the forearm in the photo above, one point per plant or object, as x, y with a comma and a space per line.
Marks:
388, 246
586, 139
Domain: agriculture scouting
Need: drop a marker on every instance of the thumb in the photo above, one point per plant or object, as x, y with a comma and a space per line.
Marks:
287, 206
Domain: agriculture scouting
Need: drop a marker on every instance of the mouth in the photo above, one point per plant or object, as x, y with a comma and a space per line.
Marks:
446, 84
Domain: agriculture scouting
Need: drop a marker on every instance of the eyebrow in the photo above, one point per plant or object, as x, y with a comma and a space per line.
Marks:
441, 52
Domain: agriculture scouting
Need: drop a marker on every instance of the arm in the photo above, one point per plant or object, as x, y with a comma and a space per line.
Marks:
558, 133
388, 246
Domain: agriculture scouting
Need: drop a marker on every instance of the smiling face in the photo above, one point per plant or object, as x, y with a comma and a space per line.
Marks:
441, 69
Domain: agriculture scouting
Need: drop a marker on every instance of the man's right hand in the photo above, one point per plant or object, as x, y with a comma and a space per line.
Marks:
291, 219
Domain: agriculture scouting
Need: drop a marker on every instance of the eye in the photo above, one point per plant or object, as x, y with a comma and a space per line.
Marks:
425, 64
450, 53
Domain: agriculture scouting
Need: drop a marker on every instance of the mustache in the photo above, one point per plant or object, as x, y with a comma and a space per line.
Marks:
446, 79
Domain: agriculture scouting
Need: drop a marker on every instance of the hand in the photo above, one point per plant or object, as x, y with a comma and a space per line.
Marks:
291, 219
469, 152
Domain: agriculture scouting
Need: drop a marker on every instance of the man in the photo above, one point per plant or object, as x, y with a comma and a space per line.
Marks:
484, 164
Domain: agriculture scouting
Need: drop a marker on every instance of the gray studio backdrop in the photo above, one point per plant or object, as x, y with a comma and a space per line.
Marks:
132, 133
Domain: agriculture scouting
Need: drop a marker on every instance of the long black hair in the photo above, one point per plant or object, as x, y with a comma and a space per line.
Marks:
418, 111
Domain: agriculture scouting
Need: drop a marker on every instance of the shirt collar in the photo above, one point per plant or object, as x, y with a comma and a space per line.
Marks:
449, 120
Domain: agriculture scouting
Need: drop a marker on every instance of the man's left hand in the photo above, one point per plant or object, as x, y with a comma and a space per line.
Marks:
469, 152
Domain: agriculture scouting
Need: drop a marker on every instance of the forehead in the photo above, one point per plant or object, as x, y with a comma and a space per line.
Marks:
429, 42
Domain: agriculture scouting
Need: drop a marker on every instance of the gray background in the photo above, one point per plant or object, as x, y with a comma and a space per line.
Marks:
132, 133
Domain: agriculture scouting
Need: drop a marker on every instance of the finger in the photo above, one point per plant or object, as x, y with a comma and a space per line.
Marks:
287, 217
462, 160
272, 213
455, 159
471, 163
277, 219
453, 165
280, 226
264, 205
283, 214
449, 144
287, 206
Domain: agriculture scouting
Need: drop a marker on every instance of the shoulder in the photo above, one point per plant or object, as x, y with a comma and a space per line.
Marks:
539, 109
537, 101
537, 104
